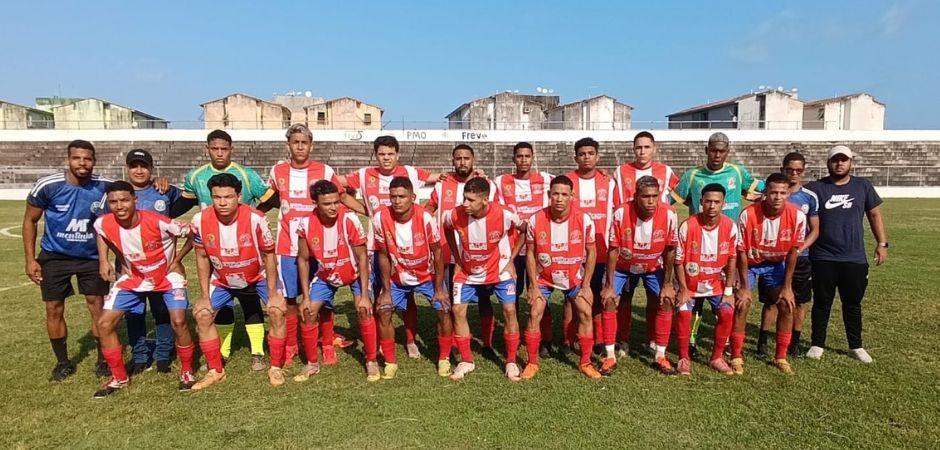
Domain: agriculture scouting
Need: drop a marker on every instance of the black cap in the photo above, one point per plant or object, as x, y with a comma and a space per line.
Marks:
139, 155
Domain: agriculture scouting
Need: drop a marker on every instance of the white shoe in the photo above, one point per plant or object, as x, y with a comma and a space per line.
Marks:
512, 372
652, 346
861, 355
413, 351
814, 352
462, 370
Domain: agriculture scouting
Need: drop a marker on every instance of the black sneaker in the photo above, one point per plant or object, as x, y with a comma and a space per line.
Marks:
187, 380
762, 350
545, 350
137, 368
693, 349
102, 369
796, 350
62, 370
110, 387
163, 367
598, 350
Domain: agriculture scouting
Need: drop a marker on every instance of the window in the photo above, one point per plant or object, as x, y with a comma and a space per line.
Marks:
321, 118
367, 119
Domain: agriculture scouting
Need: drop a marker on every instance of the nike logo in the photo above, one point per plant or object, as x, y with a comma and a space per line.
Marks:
839, 200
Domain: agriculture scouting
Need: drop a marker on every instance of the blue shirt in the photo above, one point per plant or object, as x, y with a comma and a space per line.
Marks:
806, 201
841, 211
70, 211
150, 199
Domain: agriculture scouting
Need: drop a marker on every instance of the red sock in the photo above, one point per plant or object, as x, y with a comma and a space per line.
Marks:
662, 325
651, 309
532, 340
276, 346
722, 331
411, 321
571, 330
388, 350
309, 335
291, 326
369, 344
326, 327
210, 349
598, 328
783, 342
185, 355
737, 344
610, 327
587, 343
115, 358
463, 345
545, 326
444, 343
487, 326
684, 333
512, 346
624, 320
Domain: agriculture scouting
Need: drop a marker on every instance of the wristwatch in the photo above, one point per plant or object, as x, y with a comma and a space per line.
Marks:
883, 244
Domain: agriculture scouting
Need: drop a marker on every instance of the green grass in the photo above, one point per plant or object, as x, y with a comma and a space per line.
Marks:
836, 402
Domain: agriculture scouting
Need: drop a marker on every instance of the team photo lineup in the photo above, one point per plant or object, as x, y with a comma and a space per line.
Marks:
592, 234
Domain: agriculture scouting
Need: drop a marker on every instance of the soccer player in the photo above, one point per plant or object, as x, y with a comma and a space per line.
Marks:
739, 185
794, 164
772, 233
70, 202
596, 194
561, 256
445, 197
235, 260
146, 242
291, 180
642, 247
254, 192
643, 164
408, 241
334, 237
839, 260
525, 192
480, 232
705, 260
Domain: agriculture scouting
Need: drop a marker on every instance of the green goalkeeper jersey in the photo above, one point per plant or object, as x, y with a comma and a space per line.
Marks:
736, 180
254, 189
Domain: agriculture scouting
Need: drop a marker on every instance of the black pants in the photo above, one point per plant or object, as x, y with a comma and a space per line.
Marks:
850, 279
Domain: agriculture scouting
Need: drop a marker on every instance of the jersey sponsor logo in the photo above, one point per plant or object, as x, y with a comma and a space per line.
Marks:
152, 245
62, 208
559, 246
244, 240
225, 251
626, 253
494, 236
575, 237
374, 202
785, 235
724, 248
659, 236
478, 246
545, 259
842, 200
419, 239
216, 262
298, 193
77, 226
731, 183
692, 269
601, 193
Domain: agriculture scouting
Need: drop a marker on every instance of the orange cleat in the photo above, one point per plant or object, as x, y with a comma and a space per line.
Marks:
530, 370
589, 371
608, 366
665, 367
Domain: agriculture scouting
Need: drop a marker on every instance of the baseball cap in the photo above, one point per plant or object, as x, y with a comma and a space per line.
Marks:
840, 150
139, 155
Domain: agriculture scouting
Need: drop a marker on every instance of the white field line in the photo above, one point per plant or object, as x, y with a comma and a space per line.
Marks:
7, 233
9, 288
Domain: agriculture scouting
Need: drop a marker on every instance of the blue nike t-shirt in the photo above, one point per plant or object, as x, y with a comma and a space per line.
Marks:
150, 199
70, 210
806, 201
841, 211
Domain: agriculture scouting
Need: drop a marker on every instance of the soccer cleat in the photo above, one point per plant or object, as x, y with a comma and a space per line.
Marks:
796, 350
372, 371
62, 370
413, 351
290, 352
276, 376
340, 341
544, 350
665, 367
308, 371
163, 366
783, 366
257, 363
737, 365
814, 352
391, 369
685, 367
137, 368
530, 370
721, 366
329, 356
111, 386
211, 377
443, 368
608, 366
102, 369
187, 380
861, 355
463, 368
589, 371
623, 349
205, 366
512, 372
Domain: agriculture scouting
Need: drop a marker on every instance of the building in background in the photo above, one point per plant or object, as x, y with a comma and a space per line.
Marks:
771, 109
95, 113
503, 111
858, 111
601, 112
19, 117
241, 111
344, 113
296, 101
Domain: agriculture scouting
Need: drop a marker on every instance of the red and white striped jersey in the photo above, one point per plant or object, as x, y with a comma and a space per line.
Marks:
765, 238
147, 248
705, 253
597, 197
293, 189
628, 173
332, 246
408, 244
445, 197
641, 243
235, 250
373, 184
483, 245
523, 196
560, 247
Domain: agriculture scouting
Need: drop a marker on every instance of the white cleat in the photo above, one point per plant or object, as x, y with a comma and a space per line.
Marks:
413, 351
462, 370
814, 352
861, 355
513, 372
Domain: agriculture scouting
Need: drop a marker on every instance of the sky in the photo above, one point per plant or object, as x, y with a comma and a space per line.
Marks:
420, 60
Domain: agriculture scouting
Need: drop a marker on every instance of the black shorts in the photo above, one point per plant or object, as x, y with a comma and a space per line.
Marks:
802, 284
57, 273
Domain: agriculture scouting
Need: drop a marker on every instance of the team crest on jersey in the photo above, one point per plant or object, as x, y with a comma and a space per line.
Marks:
281, 182
545, 259
508, 188
97, 207
494, 236
543, 238
216, 262
373, 180
755, 234
628, 182
449, 194
159, 205
724, 248
804, 208
575, 237
785, 235
694, 246
244, 240
731, 183
692, 269
210, 240
315, 243
659, 236
388, 236
628, 232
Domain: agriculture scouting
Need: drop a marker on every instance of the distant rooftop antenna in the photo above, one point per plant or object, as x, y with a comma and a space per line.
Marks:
308, 94
779, 88
539, 90
551, 91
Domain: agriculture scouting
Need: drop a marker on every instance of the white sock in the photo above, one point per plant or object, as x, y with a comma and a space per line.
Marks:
660, 350
610, 351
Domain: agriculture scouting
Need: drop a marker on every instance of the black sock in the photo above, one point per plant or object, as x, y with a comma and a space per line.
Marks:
762, 338
60, 348
795, 339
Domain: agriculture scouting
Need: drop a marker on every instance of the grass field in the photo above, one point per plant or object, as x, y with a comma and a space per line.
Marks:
835, 402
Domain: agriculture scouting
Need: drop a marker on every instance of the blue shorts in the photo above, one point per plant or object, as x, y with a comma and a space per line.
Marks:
597, 280
472, 293
321, 291
714, 300
135, 302
288, 279
569, 294
652, 281
221, 297
400, 295
771, 273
